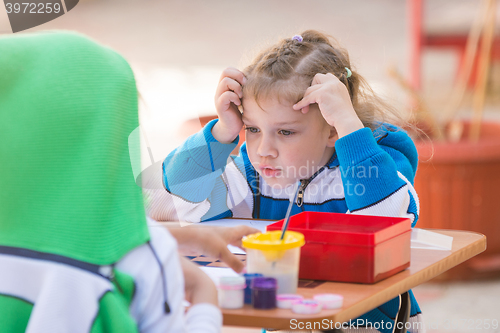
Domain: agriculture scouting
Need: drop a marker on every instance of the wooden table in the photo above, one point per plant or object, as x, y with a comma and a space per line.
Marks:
360, 298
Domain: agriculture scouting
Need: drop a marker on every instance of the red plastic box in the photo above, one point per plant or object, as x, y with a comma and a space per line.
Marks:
350, 248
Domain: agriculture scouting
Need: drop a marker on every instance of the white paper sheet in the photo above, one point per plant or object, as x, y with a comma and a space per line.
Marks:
215, 273
425, 239
258, 224
235, 249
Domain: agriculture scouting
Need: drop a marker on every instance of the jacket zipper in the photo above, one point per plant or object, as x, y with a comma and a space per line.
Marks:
303, 185
302, 188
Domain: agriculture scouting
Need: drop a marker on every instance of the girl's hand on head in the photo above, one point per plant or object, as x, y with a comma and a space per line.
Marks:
227, 99
333, 101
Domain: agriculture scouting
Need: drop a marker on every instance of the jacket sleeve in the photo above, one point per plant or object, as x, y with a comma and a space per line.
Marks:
378, 178
204, 317
158, 278
196, 179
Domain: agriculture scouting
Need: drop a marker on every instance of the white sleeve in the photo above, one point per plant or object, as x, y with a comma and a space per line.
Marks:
396, 204
152, 290
162, 205
204, 317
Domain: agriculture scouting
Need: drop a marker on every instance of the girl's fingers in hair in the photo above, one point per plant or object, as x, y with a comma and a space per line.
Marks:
312, 90
330, 82
310, 97
321, 84
229, 84
234, 74
305, 109
322, 78
225, 100
303, 104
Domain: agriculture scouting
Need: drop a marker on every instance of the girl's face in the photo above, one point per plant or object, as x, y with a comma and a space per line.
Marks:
285, 145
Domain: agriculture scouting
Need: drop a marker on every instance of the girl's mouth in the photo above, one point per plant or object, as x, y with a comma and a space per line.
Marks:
270, 172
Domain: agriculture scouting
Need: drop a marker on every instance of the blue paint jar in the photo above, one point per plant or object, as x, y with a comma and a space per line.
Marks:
248, 290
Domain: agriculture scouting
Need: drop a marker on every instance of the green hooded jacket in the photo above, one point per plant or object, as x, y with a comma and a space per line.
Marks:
67, 108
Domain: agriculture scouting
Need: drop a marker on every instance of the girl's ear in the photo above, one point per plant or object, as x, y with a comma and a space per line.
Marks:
332, 137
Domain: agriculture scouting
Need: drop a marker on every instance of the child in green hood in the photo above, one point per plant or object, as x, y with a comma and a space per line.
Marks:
76, 251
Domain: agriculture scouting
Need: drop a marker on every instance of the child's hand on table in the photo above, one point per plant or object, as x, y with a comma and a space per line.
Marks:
198, 287
334, 102
227, 98
212, 241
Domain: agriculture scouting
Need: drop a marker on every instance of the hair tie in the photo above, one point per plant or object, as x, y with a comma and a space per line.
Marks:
298, 38
349, 73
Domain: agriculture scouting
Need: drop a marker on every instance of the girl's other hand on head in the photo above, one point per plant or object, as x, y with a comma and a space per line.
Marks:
227, 99
334, 102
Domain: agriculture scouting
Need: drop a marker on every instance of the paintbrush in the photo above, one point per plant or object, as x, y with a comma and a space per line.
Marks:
287, 216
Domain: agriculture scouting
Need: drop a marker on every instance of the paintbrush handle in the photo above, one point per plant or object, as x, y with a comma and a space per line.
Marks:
287, 216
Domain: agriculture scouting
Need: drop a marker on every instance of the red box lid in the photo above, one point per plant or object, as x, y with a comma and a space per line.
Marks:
347, 229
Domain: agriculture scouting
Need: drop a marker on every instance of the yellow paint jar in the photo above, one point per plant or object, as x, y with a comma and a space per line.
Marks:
272, 257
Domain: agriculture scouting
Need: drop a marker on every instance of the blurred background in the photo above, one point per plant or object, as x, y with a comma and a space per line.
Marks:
411, 52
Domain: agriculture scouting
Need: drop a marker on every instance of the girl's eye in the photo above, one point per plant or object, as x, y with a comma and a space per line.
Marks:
251, 129
285, 132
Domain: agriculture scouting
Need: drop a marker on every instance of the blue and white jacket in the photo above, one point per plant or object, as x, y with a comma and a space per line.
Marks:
370, 173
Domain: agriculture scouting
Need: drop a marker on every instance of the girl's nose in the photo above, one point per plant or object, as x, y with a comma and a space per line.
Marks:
266, 147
